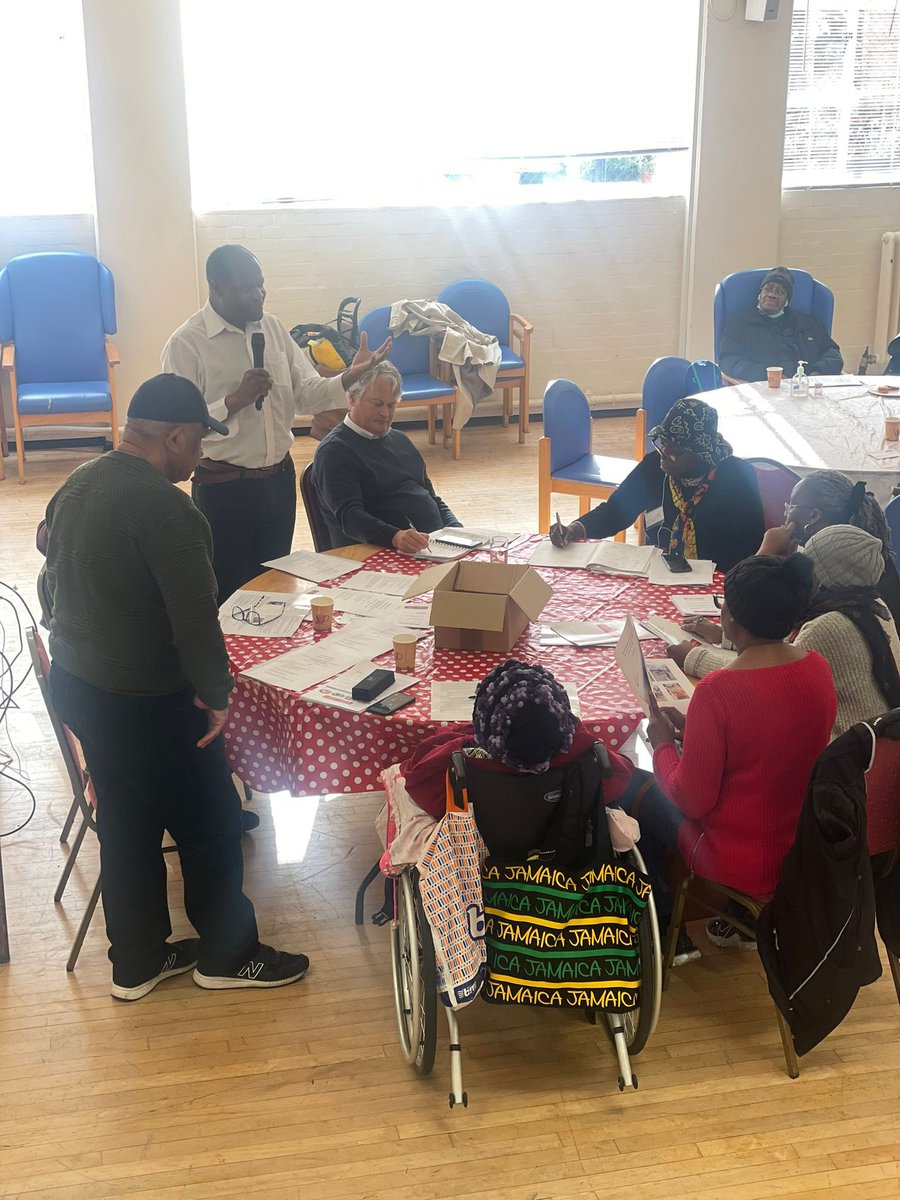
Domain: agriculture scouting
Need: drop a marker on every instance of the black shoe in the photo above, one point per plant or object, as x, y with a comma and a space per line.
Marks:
180, 958
249, 820
266, 968
685, 950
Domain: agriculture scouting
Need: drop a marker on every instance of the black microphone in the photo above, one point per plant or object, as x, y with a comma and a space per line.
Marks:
258, 346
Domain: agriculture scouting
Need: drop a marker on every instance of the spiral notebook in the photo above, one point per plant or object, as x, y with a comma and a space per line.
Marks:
452, 542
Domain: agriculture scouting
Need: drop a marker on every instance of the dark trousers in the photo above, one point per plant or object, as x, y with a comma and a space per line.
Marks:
141, 753
252, 520
660, 822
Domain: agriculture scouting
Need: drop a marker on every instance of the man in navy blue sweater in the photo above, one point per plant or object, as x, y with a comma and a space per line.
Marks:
371, 479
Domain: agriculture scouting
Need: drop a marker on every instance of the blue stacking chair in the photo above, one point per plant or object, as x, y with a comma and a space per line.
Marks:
738, 292
483, 305
413, 358
665, 382
56, 311
565, 462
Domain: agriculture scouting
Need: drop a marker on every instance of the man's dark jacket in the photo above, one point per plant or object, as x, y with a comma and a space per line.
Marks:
751, 342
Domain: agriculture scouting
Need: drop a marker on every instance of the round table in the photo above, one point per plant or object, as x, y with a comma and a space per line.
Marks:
843, 431
278, 741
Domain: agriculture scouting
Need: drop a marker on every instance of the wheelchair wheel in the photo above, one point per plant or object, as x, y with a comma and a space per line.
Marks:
415, 977
640, 1022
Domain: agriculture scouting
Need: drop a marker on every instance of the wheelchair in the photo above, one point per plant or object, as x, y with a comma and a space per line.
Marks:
511, 821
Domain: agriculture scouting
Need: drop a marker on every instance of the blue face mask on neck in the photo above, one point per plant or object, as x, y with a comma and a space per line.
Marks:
771, 316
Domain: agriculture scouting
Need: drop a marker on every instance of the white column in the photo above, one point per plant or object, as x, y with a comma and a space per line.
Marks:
145, 227
734, 210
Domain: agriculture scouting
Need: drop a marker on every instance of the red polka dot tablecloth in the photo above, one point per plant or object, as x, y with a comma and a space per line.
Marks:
277, 741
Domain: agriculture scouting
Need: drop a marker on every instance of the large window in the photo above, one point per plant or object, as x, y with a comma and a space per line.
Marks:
409, 102
843, 110
47, 165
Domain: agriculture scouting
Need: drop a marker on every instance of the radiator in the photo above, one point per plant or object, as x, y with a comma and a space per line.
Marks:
887, 314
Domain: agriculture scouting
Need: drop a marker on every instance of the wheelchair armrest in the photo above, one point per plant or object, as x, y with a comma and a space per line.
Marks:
602, 756
456, 773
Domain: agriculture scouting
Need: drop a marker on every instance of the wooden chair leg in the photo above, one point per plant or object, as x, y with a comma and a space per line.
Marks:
457, 445
545, 486
84, 926
447, 424
507, 406
894, 964
4, 925
585, 504
20, 444
678, 902
431, 434
114, 413
787, 1045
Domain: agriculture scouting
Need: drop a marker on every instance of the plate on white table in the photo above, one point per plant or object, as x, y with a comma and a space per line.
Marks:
885, 392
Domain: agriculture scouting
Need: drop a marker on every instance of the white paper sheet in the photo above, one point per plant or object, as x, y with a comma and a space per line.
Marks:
670, 631
337, 691
383, 582
281, 614
453, 700
363, 604
317, 567
700, 575
696, 606
303, 668
588, 633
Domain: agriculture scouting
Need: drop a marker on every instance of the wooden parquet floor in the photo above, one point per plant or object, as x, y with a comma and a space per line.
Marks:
302, 1092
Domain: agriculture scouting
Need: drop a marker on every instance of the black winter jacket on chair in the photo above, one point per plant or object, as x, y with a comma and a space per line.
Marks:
816, 938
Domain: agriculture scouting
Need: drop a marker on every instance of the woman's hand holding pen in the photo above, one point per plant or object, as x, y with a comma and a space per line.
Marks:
561, 535
410, 541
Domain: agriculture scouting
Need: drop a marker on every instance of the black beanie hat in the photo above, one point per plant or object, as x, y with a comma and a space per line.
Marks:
766, 595
779, 275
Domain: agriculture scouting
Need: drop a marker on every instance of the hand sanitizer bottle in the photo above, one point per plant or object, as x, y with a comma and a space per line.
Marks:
800, 382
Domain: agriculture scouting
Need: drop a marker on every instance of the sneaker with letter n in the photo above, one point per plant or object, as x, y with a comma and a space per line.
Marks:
722, 933
266, 968
180, 957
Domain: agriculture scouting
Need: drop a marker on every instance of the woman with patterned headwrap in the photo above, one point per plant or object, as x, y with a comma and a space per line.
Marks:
697, 498
521, 723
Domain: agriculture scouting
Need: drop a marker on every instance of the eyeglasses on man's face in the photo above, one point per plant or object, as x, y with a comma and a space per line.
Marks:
719, 601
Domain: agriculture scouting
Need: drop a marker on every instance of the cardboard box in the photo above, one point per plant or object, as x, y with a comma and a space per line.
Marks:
482, 605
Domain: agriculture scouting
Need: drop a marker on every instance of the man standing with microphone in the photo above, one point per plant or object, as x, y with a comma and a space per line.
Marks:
254, 379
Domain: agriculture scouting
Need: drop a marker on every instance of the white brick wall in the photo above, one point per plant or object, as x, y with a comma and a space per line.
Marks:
31, 235
836, 234
600, 281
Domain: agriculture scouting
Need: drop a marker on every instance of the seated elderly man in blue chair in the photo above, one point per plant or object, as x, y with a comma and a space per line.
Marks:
371, 479
772, 334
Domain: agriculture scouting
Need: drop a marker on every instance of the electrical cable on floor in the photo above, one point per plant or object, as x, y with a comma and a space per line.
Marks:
9, 685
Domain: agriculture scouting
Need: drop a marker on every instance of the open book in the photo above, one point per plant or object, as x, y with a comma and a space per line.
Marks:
614, 557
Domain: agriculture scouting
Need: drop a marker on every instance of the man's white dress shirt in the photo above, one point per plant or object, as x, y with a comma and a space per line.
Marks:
215, 355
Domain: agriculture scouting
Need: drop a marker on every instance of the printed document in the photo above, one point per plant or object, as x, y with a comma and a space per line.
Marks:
609, 557
317, 567
670, 686
263, 614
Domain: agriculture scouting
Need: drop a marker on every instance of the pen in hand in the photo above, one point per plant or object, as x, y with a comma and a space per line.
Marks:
558, 534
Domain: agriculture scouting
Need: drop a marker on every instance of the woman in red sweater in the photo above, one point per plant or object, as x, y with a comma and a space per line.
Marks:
732, 794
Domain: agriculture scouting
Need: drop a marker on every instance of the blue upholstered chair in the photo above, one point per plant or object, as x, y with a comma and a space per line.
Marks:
565, 462
738, 292
483, 305
665, 382
414, 359
56, 311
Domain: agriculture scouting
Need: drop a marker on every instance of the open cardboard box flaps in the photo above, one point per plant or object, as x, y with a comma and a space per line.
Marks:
481, 605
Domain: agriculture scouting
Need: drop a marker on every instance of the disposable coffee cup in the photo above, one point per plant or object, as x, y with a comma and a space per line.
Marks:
774, 376
892, 429
322, 608
405, 652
